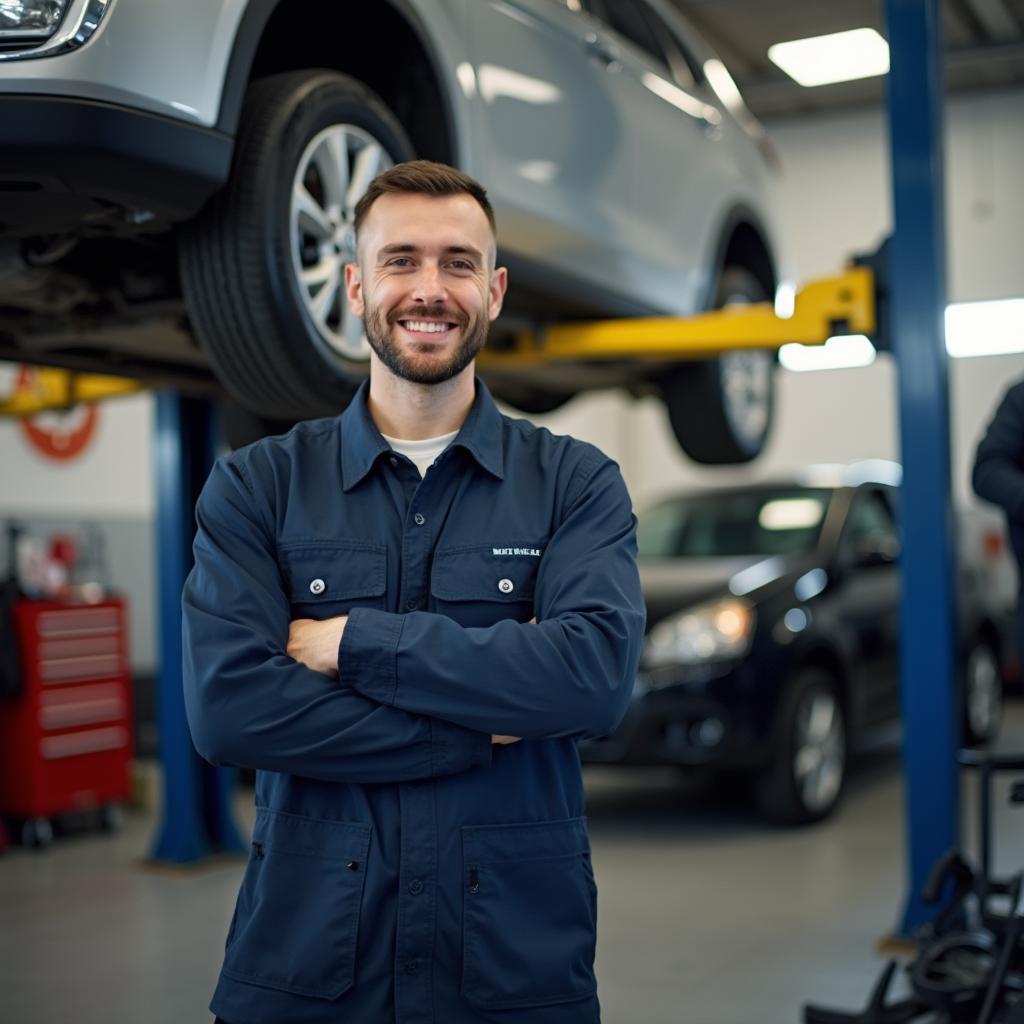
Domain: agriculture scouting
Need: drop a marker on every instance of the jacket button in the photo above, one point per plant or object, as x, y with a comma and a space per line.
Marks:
412, 966
393, 460
317, 586
419, 519
415, 887
412, 604
506, 586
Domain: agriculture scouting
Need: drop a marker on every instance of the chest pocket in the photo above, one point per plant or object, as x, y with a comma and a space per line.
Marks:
481, 584
324, 578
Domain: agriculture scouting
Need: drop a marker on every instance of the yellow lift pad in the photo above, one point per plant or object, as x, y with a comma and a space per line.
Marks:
841, 304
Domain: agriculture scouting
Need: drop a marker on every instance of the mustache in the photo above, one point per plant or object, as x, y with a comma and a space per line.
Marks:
439, 312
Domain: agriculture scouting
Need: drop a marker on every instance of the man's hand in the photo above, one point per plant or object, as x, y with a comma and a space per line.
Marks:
315, 643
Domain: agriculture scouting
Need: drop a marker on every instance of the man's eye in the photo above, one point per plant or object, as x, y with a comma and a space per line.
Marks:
400, 261
461, 265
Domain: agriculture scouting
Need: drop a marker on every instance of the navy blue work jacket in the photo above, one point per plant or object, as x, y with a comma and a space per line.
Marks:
403, 869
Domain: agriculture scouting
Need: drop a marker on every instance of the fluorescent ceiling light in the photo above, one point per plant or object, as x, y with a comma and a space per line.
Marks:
838, 57
985, 328
838, 353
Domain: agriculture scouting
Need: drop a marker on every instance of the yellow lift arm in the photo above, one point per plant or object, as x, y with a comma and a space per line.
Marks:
62, 389
844, 304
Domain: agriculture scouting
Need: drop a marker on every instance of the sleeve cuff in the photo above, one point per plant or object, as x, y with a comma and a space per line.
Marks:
368, 653
456, 749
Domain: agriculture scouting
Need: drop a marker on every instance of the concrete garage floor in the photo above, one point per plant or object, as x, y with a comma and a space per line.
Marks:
707, 915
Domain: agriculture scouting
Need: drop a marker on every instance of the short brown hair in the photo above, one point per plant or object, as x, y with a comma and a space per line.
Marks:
425, 178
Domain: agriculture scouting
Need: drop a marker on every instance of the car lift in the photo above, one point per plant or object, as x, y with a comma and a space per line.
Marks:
901, 296
843, 304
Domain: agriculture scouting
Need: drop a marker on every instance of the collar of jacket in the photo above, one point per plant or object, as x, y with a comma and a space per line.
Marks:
362, 443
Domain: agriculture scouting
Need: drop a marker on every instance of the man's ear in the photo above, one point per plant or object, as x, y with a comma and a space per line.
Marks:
497, 287
354, 288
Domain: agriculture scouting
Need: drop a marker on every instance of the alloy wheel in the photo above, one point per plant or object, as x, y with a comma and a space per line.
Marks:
819, 750
983, 697
332, 175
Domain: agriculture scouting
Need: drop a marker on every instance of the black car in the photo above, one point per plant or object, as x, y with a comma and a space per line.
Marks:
773, 636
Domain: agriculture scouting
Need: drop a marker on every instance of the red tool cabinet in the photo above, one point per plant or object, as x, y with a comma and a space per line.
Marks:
66, 741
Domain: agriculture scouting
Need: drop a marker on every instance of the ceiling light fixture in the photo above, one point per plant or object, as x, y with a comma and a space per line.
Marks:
837, 57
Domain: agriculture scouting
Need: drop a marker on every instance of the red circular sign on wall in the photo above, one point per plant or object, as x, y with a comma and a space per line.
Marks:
59, 434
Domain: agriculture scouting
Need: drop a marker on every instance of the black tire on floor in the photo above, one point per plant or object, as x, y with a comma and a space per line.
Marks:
238, 270
982, 689
789, 792
721, 409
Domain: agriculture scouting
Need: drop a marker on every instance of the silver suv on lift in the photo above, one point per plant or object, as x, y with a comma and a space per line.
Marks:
177, 184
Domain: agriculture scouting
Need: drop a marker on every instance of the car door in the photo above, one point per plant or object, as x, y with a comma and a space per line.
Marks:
868, 600
675, 132
552, 136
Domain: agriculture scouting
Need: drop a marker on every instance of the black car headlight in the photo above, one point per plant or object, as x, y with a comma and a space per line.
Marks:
30, 19
714, 631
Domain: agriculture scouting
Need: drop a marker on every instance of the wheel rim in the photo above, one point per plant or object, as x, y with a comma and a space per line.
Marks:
332, 174
746, 377
819, 750
984, 693
747, 392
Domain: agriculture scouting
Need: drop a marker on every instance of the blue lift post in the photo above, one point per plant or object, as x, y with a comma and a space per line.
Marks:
197, 819
917, 282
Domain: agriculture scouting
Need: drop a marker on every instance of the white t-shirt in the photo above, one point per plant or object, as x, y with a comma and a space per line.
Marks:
423, 452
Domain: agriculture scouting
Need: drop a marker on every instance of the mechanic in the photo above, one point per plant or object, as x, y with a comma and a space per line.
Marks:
403, 618
999, 477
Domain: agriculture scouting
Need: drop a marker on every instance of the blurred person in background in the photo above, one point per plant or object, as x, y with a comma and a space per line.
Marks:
999, 477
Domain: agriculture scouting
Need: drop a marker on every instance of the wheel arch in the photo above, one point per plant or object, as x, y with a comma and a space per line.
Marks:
273, 37
829, 661
743, 241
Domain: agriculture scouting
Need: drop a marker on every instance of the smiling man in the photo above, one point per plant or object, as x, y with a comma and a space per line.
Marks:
403, 619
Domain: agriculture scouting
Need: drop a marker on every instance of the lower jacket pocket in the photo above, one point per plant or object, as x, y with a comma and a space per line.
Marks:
297, 918
530, 914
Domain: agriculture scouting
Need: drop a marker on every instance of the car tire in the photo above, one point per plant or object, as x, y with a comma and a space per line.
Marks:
982, 694
262, 263
240, 427
805, 778
721, 410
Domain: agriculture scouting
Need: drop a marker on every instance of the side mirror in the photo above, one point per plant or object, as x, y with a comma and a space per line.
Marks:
876, 550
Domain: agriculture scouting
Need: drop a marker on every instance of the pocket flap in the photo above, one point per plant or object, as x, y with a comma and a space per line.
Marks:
329, 570
485, 573
491, 844
311, 837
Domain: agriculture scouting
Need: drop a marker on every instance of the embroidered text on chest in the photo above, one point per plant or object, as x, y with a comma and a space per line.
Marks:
533, 552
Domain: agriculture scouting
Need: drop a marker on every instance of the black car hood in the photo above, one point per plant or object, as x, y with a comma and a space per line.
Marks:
671, 585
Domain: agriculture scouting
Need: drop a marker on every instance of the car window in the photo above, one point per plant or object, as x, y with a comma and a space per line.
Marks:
725, 524
686, 69
628, 19
870, 523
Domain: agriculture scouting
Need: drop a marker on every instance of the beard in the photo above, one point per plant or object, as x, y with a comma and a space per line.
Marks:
416, 367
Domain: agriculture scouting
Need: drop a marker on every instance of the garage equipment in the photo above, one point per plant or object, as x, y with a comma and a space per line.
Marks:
66, 741
842, 304
969, 967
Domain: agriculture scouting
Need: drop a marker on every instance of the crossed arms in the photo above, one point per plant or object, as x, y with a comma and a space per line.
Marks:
417, 695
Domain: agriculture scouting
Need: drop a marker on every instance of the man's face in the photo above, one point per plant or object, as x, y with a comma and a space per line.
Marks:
425, 284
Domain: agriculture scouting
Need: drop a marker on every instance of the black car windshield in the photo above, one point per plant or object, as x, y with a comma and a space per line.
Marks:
721, 524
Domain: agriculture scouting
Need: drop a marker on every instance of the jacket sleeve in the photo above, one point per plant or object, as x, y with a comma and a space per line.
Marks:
999, 463
250, 704
570, 673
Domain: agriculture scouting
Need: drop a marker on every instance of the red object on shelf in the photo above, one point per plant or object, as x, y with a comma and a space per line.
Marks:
66, 741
